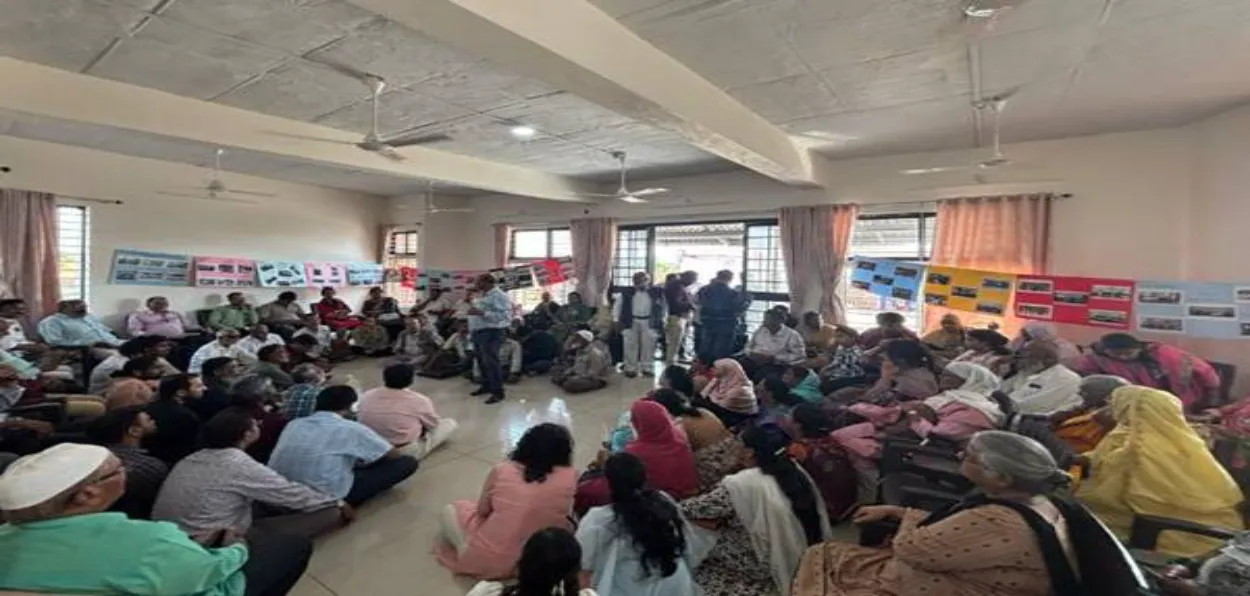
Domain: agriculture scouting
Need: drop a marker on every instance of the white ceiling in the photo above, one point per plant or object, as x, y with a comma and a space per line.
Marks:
855, 77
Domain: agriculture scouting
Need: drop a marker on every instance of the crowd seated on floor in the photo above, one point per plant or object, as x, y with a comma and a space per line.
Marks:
728, 476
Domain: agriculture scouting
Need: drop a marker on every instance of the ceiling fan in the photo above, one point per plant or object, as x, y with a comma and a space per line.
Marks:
216, 190
997, 158
373, 140
623, 193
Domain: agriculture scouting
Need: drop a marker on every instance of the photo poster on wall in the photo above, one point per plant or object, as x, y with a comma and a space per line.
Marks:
404, 276
224, 272
548, 273
280, 274
322, 273
887, 278
970, 290
1197, 309
365, 274
433, 278
139, 268
1091, 301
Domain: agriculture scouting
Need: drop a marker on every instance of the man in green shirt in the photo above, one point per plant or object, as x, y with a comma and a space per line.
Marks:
236, 314
59, 538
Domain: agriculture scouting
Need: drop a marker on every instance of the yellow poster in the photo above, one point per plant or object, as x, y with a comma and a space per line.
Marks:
969, 289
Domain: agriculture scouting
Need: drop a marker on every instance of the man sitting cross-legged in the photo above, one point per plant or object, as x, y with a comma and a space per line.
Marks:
340, 457
404, 417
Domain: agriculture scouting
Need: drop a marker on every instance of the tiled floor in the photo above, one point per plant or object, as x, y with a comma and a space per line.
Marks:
387, 550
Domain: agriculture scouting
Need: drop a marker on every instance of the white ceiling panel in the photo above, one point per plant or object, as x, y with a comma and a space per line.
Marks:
67, 34
299, 89
891, 28
398, 111
931, 125
799, 96
482, 86
402, 56
903, 79
184, 60
294, 26
560, 114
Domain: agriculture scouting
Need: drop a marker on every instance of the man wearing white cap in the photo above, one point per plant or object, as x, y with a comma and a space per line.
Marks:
591, 365
59, 537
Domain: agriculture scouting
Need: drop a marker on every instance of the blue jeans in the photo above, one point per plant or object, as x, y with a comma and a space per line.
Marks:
486, 343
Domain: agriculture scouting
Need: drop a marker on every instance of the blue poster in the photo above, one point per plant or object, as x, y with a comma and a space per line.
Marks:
364, 274
1196, 309
900, 280
281, 274
137, 268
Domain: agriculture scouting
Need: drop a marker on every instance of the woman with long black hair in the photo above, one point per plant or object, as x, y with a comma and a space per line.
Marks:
766, 517
550, 565
637, 545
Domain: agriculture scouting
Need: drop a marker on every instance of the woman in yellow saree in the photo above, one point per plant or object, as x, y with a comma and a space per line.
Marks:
1153, 463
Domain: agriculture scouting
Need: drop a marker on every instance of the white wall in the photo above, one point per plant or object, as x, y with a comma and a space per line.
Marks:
302, 223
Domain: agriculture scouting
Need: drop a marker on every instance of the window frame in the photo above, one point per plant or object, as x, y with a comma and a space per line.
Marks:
82, 250
923, 254
549, 251
393, 259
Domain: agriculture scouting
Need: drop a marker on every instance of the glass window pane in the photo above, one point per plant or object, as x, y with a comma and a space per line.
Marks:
561, 243
529, 244
907, 237
72, 228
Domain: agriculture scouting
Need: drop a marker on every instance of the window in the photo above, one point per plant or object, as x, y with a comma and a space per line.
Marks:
402, 250
72, 231
764, 275
528, 246
906, 237
631, 255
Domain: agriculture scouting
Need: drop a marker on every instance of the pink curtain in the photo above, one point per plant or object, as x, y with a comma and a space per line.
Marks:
28, 250
1009, 234
503, 238
594, 243
814, 241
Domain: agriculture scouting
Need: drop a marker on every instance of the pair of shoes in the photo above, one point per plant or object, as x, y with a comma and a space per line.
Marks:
479, 391
494, 399
631, 373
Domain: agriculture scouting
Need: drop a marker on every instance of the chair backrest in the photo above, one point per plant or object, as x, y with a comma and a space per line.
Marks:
201, 317
1106, 565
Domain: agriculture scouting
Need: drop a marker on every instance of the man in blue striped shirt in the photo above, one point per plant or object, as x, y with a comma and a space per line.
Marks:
488, 319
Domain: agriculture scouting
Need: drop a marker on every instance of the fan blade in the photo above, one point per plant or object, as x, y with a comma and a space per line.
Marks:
384, 150
250, 193
452, 210
309, 138
609, 195
631, 199
409, 141
205, 198
339, 67
646, 192
184, 195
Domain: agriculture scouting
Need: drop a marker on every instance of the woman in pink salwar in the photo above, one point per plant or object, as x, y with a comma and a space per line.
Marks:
1155, 365
531, 491
963, 408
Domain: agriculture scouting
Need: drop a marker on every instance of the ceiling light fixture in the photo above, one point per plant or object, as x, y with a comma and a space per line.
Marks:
523, 132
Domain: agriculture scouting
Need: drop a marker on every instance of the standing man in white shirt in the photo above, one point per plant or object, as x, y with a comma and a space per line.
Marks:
1042, 386
773, 348
639, 314
489, 318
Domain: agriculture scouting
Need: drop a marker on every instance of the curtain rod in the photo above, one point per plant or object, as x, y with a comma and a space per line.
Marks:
97, 201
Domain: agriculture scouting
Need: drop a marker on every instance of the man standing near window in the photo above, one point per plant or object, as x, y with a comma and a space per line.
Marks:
638, 313
489, 317
720, 308
680, 309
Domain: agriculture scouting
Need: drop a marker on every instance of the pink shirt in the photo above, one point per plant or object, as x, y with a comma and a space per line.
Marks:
399, 415
164, 324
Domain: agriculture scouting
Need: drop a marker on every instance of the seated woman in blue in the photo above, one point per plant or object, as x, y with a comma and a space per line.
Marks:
637, 545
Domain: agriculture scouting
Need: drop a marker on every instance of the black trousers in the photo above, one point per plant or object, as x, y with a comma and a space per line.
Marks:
376, 478
486, 343
274, 562
716, 341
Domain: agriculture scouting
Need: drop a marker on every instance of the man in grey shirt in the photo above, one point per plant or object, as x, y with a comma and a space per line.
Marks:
214, 488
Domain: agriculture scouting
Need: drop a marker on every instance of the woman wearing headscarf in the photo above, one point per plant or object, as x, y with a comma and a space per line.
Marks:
1009, 537
729, 395
1082, 428
663, 451
987, 348
960, 410
1156, 365
764, 517
947, 341
1153, 463
1033, 331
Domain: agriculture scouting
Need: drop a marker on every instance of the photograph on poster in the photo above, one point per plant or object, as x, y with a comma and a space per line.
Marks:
939, 279
866, 265
935, 299
1071, 297
1107, 317
1164, 324
861, 285
908, 272
1160, 296
1245, 329
903, 293
964, 292
996, 284
1035, 311
1212, 311
1241, 294
1035, 286
1112, 292
992, 308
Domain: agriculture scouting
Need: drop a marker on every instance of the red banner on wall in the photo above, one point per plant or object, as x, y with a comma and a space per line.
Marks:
408, 277
548, 272
1093, 301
